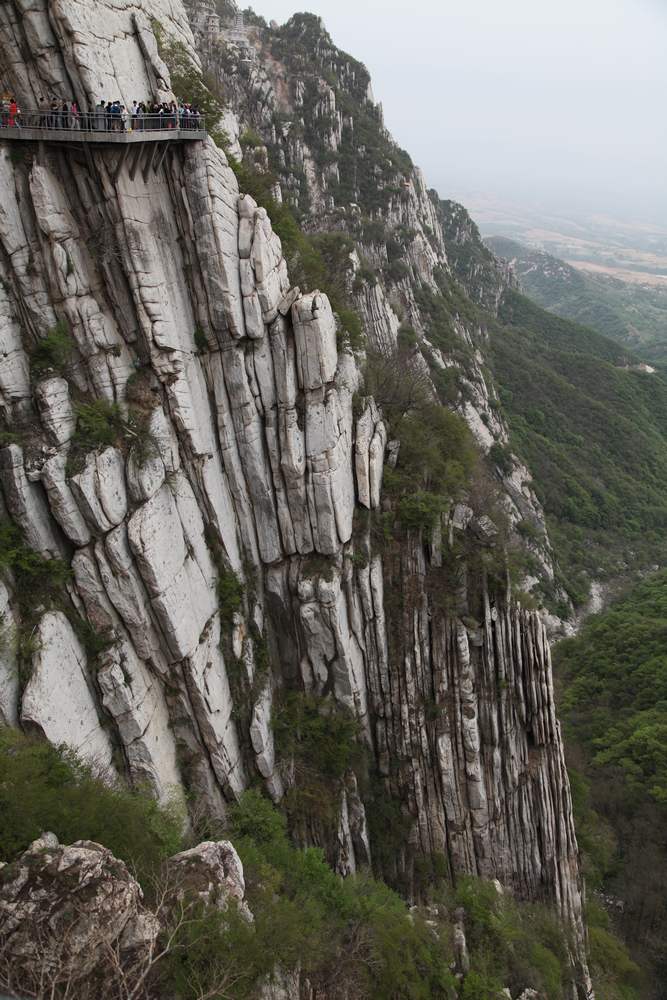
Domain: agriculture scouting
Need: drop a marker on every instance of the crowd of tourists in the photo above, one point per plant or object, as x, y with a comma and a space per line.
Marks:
107, 116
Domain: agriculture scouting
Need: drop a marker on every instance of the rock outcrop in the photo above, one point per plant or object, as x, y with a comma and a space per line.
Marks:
66, 913
211, 874
234, 459
73, 920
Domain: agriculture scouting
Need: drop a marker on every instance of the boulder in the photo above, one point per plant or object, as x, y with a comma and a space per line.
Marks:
65, 910
212, 872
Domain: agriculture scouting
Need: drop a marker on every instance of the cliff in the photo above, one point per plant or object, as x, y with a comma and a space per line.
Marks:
195, 524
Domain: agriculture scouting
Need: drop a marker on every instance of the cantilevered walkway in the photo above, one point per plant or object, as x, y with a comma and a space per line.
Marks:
150, 138
99, 128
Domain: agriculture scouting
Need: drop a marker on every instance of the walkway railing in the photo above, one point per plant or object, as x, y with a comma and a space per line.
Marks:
99, 124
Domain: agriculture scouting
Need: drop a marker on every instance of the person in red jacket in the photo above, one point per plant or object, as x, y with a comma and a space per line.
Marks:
13, 110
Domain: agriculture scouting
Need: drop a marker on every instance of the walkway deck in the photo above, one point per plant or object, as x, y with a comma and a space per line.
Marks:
34, 127
149, 145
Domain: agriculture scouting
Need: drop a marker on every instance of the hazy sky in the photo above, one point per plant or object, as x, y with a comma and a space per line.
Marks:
561, 103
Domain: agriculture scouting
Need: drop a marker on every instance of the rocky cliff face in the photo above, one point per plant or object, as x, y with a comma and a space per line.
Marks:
302, 113
198, 487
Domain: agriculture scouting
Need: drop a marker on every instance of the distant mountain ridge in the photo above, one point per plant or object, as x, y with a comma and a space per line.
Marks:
633, 315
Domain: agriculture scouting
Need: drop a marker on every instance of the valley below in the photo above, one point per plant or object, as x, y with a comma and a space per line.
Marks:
632, 252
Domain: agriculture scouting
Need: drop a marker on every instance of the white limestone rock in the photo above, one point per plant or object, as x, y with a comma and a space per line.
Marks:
156, 538
62, 502
330, 485
462, 516
256, 439
84, 485
315, 337
370, 444
181, 595
345, 859
121, 584
25, 502
213, 200
100, 489
213, 873
254, 319
145, 473
247, 209
261, 734
41, 928
376, 463
58, 699
136, 702
162, 438
14, 369
110, 484
380, 322
364, 433
461, 954
211, 702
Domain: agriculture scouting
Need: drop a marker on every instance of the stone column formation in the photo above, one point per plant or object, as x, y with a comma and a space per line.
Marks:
257, 462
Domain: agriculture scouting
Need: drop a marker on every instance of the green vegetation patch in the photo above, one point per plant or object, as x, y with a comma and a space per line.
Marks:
229, 588
53, 352
594, 435
48, 788
615, 697
189, 84
614, 706
40, 584
102, 424
230, 595
37, 579
371, 167
353, 934
437, 456
473, 264
321, 740
317, 733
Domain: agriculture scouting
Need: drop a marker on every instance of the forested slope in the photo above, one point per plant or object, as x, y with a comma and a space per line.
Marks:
613, 679
593, 430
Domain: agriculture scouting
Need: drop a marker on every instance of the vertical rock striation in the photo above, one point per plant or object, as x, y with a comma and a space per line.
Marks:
243, 454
